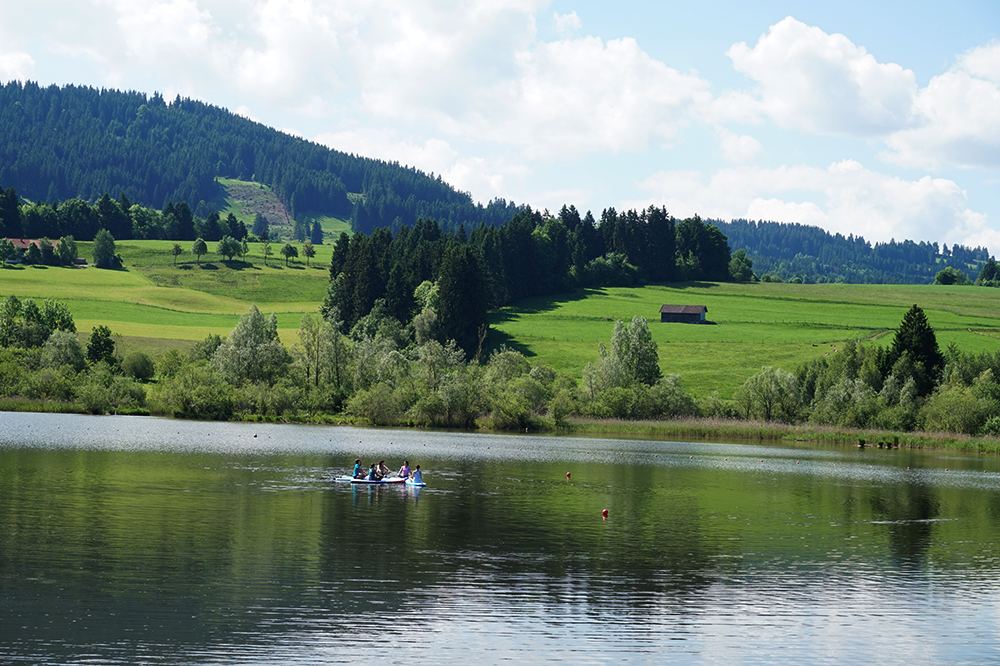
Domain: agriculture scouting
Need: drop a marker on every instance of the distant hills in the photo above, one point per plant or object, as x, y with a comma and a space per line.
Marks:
59, 143
62, 143
788, 251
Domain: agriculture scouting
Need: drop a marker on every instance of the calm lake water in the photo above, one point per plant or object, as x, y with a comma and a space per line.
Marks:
147, 541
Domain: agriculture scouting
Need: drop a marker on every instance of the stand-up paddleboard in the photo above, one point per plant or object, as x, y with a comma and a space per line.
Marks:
366, 480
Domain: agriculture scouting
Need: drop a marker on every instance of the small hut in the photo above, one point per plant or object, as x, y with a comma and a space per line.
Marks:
683, 314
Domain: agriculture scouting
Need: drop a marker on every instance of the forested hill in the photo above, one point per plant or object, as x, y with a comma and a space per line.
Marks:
786, 251
60, 143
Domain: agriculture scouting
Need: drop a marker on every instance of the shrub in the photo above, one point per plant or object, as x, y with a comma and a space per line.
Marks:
138, 365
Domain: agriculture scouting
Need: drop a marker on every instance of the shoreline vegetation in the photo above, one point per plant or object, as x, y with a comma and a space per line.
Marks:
694, 428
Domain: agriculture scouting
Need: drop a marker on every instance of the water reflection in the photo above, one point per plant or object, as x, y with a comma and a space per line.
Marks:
126, 540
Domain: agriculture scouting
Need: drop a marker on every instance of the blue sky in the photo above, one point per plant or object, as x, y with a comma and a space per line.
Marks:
875, 118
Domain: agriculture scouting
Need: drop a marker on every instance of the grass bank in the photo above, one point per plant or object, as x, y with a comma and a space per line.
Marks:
734, 430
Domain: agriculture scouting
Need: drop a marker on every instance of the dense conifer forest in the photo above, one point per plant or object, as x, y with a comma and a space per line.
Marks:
74, 142
77, 159
786, 251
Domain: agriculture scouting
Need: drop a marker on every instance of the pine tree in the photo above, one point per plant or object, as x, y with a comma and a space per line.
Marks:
462, 298
916, 339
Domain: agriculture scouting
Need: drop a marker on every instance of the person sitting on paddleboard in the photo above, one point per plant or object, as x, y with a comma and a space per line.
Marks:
382, 470
372, 474
417, 477
358, 470
404, 471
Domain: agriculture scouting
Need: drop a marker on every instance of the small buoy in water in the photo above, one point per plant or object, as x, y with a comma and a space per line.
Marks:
567, 476
255, 435
604, 514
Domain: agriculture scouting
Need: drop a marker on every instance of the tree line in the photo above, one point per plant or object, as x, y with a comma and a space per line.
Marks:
449, 281
384, 371
790, 251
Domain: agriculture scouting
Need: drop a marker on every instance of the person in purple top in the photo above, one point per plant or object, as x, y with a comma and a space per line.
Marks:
404, 471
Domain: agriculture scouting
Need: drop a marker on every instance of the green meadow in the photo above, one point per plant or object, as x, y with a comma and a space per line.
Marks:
753, 325
154, 305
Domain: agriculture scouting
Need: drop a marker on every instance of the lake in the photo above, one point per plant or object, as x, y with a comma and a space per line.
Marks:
128, 540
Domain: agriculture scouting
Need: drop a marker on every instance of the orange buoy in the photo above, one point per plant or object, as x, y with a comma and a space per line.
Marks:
604, 514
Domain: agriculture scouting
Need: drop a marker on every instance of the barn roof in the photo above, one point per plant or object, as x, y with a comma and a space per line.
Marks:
22, 244
683, 309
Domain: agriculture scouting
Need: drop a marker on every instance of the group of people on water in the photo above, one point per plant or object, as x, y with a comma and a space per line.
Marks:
380, 471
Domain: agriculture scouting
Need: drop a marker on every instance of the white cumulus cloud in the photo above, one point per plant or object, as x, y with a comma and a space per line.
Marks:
484, 178
845, 197
737, 148
16, 67
566, 23
816, 82
958, 116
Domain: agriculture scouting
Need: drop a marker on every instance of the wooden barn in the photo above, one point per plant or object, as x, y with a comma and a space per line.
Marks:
683, 314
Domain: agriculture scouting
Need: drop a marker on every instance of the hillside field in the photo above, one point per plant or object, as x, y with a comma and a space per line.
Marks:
155, 305
754, 325
245, 199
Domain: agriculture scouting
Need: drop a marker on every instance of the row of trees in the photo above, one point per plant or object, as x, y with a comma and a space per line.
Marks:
531, 255
42, 358
385, 371
119, 217
784, 251
907, 386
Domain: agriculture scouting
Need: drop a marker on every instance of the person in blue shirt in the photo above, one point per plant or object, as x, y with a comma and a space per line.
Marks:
358, 471
417, 477
372, 474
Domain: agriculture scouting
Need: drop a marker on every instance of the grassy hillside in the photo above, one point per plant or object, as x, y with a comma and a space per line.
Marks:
155, 300
245, 199
155, 305
754, 325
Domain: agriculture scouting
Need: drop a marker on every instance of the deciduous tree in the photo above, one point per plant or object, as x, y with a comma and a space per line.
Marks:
199, 248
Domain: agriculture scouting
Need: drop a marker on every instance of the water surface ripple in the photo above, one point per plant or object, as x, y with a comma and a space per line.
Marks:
138, 540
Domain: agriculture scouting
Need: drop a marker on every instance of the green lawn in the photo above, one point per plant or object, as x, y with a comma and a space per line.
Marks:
754, 325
